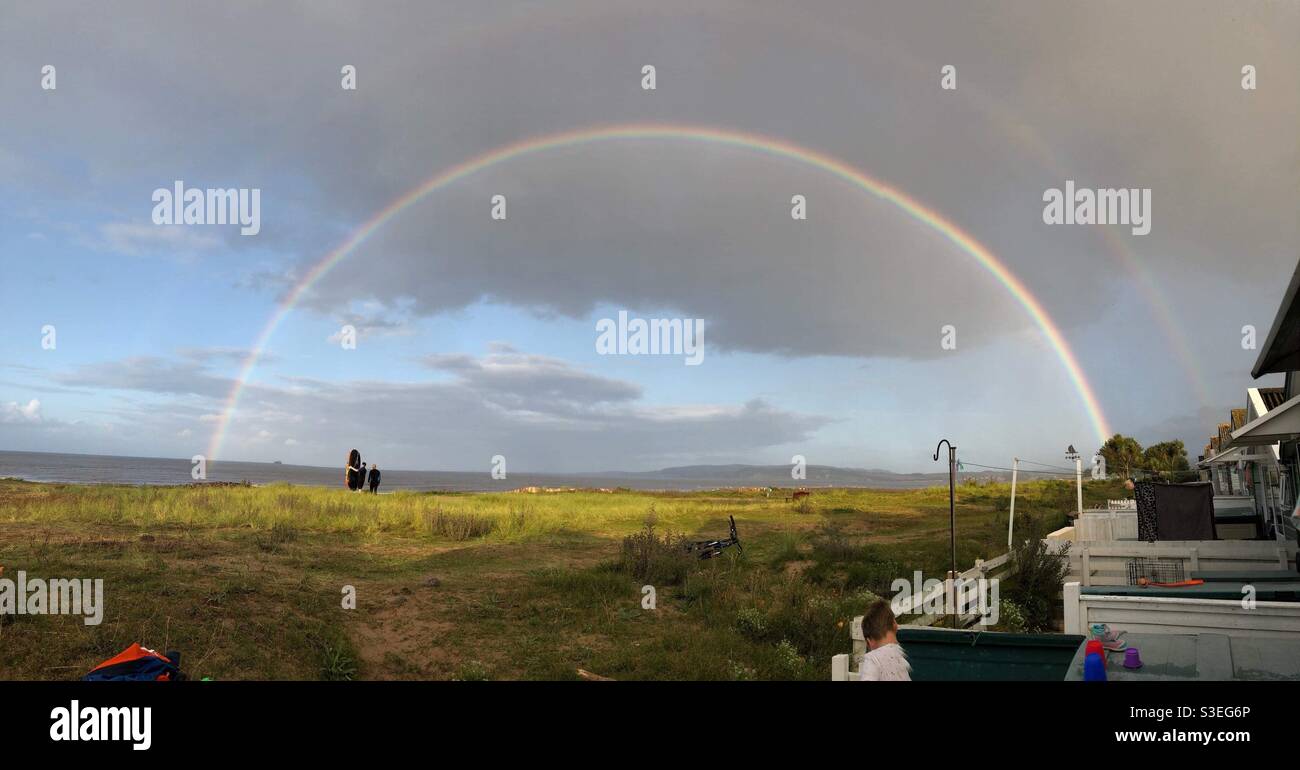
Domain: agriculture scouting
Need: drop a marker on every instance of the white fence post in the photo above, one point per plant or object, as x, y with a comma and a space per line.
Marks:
839, 668
1072, 619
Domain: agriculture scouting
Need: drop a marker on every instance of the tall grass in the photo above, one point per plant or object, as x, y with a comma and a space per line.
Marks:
244, 579
507, 516
503, 516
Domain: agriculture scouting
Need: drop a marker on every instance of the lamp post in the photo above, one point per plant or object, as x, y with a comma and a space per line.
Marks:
952, 528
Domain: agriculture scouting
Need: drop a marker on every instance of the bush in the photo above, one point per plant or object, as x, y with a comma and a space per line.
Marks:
751, 623
789, 663
1010, 618
1037, 575
655, 560
740, 672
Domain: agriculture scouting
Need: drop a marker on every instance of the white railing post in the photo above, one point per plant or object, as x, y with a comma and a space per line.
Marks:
840, 668
1073, 620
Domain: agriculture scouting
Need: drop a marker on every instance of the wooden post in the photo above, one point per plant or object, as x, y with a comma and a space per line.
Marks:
1011, 519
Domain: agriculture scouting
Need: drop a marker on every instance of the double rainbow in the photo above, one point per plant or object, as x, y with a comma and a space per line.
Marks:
766, 145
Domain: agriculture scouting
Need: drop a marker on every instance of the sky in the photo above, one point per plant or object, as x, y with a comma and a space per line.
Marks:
823, 337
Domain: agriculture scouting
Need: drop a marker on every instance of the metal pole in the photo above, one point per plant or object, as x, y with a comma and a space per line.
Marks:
952, 528
1078, 481
1011, 520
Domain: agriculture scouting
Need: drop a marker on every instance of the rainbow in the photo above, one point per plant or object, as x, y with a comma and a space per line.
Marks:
766, 145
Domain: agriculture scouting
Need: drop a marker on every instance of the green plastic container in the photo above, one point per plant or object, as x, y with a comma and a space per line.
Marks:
939, 655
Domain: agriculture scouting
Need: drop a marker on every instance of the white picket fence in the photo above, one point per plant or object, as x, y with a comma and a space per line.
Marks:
1106, 525
1171, 615
1095, 563
966, 593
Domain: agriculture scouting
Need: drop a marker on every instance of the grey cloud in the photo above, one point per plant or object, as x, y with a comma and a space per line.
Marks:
543, 414
516, 380
149, 374
1045, 92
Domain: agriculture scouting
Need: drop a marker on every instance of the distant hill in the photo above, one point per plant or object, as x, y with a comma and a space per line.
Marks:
779, 476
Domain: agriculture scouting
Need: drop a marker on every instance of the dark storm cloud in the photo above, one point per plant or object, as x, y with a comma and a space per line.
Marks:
249, 95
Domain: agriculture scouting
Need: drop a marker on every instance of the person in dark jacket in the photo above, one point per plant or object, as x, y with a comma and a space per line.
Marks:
374, 479
361, 478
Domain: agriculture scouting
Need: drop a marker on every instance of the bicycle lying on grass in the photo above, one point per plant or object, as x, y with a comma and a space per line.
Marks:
707, 549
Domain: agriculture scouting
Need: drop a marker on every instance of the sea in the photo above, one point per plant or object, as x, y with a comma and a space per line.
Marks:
104, 469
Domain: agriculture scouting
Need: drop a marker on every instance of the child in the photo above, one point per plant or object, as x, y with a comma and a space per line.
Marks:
885, 660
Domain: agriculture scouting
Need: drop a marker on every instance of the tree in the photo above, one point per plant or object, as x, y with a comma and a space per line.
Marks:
1122, 454
1166, 456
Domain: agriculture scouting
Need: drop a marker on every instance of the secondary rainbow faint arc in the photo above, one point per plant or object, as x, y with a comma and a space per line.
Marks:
712, 135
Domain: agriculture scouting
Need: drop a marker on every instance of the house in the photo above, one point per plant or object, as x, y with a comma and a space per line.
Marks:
1271, 435
1244, 607
1248, 480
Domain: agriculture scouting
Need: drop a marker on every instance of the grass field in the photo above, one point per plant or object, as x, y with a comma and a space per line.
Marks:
247, 581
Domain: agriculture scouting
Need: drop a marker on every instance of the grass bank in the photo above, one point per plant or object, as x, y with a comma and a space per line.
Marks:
247, 581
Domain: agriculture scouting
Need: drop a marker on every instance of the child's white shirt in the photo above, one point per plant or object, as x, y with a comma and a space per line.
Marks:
886, 663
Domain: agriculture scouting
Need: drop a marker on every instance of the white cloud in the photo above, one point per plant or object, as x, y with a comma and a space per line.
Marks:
14, 412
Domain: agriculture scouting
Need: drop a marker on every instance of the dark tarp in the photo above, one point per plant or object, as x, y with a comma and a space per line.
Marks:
1146, 510
1184, 511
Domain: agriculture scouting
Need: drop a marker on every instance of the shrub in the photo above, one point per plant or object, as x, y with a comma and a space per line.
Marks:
659, 561
1010, 617
740, 672
789, 663
751, 623
1037, 575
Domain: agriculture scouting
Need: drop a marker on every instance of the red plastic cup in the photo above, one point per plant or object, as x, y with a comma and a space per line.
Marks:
1094, 645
